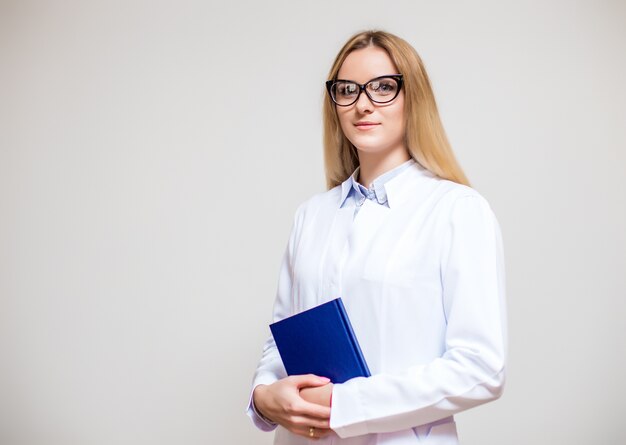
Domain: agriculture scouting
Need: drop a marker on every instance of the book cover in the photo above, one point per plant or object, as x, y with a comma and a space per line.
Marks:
320, 341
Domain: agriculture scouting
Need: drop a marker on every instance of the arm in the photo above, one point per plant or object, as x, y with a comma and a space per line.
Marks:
275, 398
471, 371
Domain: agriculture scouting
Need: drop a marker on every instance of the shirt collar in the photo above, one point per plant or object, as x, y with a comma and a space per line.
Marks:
378, 185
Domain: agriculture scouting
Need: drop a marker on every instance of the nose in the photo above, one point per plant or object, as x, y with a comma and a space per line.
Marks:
363, 104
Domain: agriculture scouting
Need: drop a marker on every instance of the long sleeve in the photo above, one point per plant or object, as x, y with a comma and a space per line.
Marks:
471, 370
270, 367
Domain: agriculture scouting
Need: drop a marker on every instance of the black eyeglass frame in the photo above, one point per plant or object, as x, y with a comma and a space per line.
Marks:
397, 77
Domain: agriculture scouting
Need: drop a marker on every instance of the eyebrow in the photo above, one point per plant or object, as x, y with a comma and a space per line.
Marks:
373, 78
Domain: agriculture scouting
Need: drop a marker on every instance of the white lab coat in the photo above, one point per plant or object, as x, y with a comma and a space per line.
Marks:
423, 284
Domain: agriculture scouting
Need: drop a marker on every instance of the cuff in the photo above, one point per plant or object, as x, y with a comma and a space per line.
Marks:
261, 422
347, 415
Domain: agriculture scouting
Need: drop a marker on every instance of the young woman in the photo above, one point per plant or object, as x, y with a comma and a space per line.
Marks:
415, 254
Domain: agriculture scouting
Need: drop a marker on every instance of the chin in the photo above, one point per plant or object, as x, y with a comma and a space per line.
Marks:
372, 148
367, 146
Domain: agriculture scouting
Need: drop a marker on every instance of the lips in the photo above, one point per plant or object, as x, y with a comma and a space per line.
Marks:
366, 124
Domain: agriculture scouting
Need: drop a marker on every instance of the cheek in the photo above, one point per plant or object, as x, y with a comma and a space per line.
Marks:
398, 119
399, 109
343, 119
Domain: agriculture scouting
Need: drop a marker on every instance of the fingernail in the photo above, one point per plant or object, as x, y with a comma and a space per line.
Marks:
325, 379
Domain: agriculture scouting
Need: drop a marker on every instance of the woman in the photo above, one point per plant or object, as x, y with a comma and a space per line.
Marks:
415, 254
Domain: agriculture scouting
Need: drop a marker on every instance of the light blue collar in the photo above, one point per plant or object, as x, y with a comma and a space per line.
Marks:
377, 191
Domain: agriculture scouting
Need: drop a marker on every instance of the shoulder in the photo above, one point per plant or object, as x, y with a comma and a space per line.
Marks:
447, 194
319, 201
451, 192
463, 208
449, 203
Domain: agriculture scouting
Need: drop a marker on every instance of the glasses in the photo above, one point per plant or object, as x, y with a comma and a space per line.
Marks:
380, 90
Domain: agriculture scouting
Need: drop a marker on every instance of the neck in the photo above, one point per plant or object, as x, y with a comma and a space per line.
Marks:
372, 165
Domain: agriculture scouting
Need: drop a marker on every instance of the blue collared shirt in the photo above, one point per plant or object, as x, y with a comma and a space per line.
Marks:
352, 192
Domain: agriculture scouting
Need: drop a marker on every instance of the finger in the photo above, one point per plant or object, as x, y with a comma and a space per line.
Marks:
318, 433
309, 380
313, 410
307, 422
322, 432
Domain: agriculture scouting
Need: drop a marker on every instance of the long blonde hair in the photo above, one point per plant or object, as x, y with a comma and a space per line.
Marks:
425, 137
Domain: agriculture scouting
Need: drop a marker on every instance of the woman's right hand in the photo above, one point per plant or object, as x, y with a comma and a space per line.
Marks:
281, 403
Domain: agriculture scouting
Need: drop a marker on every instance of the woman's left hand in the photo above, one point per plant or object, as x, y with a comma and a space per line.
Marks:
320, 395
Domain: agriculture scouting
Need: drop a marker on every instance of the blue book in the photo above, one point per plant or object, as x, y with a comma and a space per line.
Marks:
320, 341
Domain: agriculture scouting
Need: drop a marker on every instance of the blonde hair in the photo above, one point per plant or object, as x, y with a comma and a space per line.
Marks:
425, 136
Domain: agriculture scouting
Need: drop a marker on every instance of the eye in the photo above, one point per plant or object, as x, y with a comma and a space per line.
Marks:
346, 89
383, 87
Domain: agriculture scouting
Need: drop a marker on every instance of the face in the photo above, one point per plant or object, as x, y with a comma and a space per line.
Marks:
373, 128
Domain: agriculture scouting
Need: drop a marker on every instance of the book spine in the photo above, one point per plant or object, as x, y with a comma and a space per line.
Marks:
355, 344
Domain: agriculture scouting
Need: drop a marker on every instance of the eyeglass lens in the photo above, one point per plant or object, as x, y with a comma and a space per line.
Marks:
379, 90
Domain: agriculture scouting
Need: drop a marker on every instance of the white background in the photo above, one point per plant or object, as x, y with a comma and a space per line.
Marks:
152, 154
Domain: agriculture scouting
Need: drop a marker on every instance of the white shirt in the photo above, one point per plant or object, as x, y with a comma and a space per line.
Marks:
422, 281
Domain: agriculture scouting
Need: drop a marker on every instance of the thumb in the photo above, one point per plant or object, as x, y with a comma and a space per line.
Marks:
310, 380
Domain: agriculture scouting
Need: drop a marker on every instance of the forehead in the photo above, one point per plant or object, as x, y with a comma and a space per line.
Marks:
365, 64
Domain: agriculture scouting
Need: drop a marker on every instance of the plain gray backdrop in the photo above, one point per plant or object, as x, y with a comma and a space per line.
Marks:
152, 154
